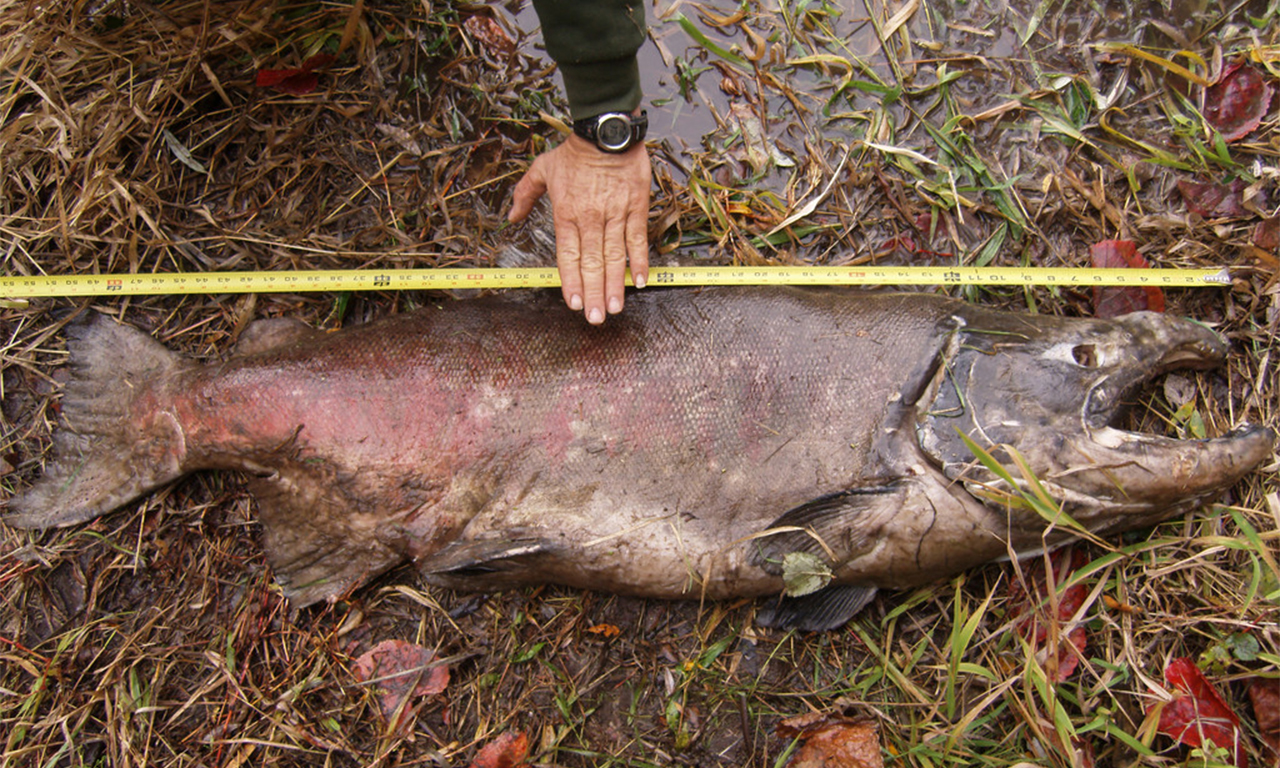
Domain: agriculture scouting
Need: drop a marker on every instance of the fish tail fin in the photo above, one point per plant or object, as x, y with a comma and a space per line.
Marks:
106, 453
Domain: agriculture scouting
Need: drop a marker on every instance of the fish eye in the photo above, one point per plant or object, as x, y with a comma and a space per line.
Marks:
1085, 355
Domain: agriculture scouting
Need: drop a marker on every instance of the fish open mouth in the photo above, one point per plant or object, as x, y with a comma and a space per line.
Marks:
1058, 398
1153, 347
1136, 471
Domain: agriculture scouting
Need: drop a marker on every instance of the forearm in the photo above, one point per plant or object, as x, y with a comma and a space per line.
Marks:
594, 43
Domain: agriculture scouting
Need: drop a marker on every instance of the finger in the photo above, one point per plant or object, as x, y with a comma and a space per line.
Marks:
638, 249
615, 265
526, 193
569, 263
592, 271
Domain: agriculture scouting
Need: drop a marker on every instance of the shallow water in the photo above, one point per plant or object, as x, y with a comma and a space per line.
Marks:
754, 108
683, 80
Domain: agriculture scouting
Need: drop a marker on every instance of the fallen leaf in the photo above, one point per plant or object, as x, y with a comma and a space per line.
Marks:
297, 82
833, 741
1214, 201
1237, 103
181, 152
759, 149
605, 630
894, 244
401, 137
507, 751
1035, 628
1266, 234
1197, 713
400, 673
804, 573
1112, 301
1265, 695
490, 35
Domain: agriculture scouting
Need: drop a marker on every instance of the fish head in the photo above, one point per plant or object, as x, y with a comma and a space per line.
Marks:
1043, 396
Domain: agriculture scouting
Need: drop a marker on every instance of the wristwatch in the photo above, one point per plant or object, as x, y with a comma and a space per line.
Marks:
613, 131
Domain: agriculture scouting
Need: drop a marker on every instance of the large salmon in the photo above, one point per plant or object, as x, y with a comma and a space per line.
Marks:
701, 444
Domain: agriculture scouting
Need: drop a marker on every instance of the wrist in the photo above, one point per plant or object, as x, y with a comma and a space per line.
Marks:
613, 132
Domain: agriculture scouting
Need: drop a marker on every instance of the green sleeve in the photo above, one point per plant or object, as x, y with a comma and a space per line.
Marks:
594, 42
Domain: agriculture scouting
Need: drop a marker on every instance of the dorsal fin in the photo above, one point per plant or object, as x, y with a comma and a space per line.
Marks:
272, 333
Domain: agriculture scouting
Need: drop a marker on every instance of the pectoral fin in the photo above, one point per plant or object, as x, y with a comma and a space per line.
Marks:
483, 564
834, 528
830, 608
828, 532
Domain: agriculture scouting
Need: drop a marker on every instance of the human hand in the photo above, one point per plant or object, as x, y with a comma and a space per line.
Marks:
600, 206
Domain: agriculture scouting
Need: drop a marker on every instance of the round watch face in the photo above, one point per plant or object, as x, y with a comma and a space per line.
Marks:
614, 132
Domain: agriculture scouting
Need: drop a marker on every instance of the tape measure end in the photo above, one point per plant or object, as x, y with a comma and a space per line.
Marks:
1222, 277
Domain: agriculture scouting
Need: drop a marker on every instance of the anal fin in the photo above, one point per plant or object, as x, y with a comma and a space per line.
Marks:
318, 542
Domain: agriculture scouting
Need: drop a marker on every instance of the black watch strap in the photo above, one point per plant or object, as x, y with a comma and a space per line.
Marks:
613, 131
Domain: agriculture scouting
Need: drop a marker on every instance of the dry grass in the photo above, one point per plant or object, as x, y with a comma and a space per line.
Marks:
132, 138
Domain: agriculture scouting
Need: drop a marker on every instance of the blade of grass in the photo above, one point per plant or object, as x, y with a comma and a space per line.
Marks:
701, 39
963, 629
1129, 49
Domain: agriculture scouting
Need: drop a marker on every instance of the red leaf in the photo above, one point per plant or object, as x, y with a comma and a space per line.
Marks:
833, 741
1118, 300
1197, 713
298, 81
507, 751
269, 77
1266, 234
1214, 201
1035, 626
1265, 695
1236, 104
893, 244
402, 675
925, 222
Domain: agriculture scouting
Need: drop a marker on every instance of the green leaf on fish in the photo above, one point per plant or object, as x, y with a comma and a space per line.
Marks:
804, 573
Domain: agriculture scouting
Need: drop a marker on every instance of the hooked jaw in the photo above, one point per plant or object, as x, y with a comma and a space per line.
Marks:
1056, 398
1148, 478
1136, 473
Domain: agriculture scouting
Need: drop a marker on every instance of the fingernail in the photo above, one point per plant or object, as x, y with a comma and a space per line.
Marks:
595, 316
575, 303
639, 281
615, 305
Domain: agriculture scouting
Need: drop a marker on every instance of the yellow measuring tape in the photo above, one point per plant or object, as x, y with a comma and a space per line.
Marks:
20, 287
